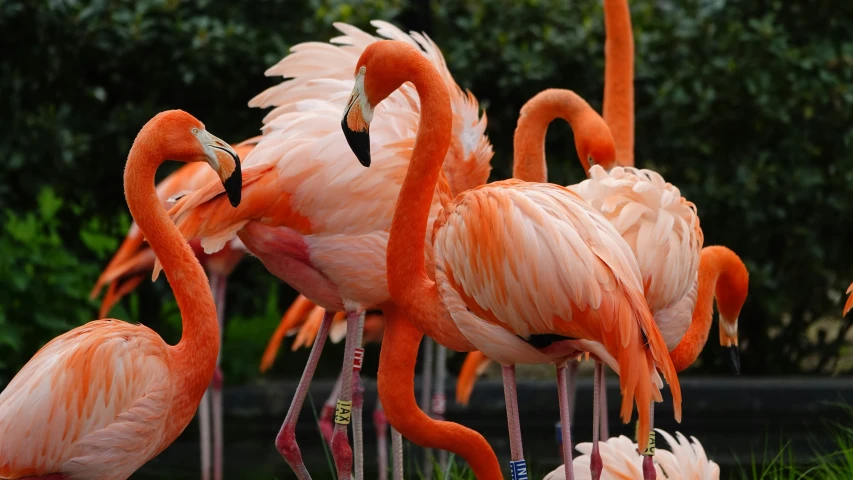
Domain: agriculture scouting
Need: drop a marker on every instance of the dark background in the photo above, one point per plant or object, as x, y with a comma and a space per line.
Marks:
745, 106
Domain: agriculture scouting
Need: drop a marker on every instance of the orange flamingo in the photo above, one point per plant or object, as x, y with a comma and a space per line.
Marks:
102, 399
134, 260
849, 304
323, 230
512, 309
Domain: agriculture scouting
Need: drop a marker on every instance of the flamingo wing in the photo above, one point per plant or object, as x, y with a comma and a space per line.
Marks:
93, 403
660, 226
534, 258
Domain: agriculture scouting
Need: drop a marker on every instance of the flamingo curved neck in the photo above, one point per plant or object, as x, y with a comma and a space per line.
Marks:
714, 268
198, 348
408, 283
619, 78
529, 162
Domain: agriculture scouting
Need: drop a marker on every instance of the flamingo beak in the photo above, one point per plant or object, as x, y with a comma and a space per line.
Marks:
225, 161
357, 129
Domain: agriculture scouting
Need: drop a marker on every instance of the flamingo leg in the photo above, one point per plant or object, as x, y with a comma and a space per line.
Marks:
648, 456
358, 403
439, 399
426, 391
285, 441
565, 420
204, 433
341, 451
605, 431
396, 454
513, 423
327, 415
218, 285
381, 425
595, 463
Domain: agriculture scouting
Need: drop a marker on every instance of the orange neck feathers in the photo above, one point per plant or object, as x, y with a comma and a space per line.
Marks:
592, 137
408, 282
194, 357
415, 296
723, 275
619, 78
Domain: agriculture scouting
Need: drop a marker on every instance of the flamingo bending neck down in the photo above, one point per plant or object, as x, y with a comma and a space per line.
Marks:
604, 314
101, 400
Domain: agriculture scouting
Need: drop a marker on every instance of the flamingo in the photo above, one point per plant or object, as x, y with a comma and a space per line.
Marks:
849, 304
723, 278
323, 230
686, 461
104, 398
134, 259
514, 310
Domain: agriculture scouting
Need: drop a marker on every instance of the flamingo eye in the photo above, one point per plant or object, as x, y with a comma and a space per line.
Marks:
195, 131
590, 160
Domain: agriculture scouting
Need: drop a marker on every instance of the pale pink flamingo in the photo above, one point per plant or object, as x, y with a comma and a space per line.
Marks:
685, 460
102, 399
528, 272
322, 228
134, 260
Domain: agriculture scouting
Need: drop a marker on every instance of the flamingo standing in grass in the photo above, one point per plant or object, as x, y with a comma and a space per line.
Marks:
102, 399
134, 260
322, 228
528, 272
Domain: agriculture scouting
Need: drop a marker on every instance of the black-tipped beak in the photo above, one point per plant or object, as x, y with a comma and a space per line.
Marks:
233, 184
359, 141
734, 359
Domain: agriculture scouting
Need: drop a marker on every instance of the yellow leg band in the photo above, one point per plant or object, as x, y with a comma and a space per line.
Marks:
343, 412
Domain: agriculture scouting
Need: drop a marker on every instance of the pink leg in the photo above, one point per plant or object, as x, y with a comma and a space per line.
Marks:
605, 431
218, 379
512, 421
565, 421
649, 472
285, 441
327, 415
204, 433
426, 393
341, 451
595, 463
439, 400
358, 402
380, 422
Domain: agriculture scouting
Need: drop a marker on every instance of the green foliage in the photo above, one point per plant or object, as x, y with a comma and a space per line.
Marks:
43, 286
743, 105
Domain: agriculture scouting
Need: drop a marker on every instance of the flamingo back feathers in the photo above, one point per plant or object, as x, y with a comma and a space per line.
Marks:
537, 259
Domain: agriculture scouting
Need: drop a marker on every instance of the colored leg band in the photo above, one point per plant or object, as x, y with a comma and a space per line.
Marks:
343, 412
518, 470
358, 359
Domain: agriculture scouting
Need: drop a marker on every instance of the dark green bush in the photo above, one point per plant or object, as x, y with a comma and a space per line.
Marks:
744, 105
